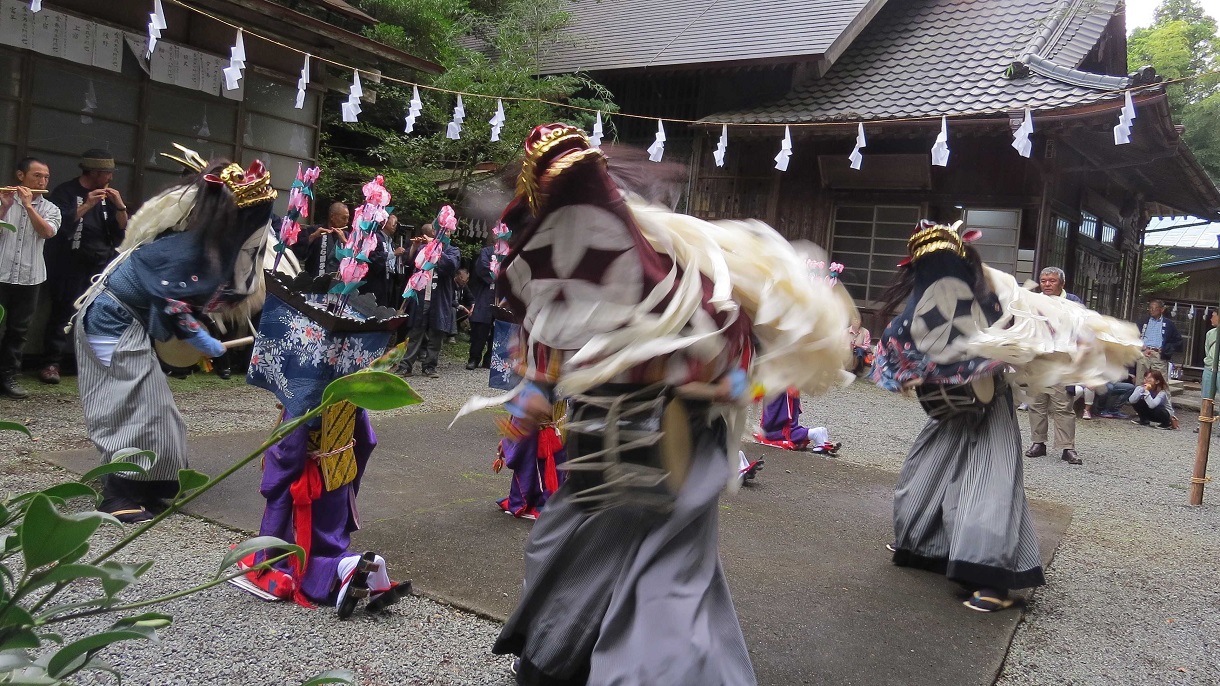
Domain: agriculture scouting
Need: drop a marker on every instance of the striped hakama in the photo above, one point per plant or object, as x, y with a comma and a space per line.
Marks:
627, 595
128, 404
960, 507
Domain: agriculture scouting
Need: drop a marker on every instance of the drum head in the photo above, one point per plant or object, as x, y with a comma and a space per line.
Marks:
984, 389
178, 353
675, 444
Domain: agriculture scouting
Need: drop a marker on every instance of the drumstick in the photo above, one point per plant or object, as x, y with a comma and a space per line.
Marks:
13, 189
238, 342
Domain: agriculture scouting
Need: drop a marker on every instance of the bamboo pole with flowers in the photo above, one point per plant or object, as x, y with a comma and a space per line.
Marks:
429, 255
299, 198
354, 254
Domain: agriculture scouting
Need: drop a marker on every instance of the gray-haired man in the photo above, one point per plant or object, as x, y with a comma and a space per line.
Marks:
1051, 281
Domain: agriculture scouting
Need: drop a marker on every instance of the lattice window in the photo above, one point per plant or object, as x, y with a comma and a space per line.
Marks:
870, 240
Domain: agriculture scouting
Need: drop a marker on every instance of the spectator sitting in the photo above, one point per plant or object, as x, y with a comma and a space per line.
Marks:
1151, 401
1107, 401
861, 345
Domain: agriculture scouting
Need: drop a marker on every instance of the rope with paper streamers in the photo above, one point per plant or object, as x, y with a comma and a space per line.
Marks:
940, 150
592, 110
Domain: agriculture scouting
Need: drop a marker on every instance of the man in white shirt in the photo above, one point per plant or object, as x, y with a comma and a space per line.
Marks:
30, 219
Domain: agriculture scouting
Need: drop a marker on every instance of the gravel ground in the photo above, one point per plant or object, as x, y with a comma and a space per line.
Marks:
1127, 599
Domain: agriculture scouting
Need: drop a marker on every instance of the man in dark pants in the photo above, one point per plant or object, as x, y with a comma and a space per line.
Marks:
94, 223
433, 317
33, 219
482, 286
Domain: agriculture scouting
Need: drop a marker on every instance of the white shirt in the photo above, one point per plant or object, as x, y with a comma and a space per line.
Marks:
21, 260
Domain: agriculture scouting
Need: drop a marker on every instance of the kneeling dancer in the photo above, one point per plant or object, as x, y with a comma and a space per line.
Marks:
311, 478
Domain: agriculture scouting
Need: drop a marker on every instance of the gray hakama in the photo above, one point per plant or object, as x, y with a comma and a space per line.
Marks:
960, 507
629, 596
128, 404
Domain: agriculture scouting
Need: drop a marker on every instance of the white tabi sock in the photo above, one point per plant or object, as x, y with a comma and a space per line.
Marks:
379, 580
818, 435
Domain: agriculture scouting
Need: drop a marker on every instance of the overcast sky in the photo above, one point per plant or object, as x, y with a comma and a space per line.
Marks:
1139, 12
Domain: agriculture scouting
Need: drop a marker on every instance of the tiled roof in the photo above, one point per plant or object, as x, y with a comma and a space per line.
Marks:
627, 34
932, 57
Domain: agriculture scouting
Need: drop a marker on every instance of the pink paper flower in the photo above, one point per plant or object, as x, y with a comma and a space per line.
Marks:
446, 218
369, 245
352, 270
419, 281
289, 232
375, 192
430, 253
501, 231
311, 175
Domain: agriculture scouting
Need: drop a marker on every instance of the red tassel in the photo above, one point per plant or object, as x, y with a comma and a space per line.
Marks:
549, 445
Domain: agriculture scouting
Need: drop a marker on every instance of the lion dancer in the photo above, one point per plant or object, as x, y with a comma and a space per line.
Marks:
192, 250
963, 336
623, 579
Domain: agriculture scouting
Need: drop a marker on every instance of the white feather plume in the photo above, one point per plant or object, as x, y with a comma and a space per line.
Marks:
165, 210
1054, 342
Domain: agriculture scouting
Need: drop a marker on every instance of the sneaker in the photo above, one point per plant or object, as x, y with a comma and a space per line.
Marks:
49, 374
433, 374
11, 387
1140, 422
1087, 414
1023, 407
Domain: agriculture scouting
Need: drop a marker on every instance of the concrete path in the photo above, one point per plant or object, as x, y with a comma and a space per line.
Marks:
819, 601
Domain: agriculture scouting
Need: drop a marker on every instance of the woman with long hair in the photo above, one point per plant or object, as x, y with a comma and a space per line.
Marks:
1151, 401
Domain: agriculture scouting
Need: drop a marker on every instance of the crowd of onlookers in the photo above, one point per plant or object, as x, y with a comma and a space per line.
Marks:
56, 240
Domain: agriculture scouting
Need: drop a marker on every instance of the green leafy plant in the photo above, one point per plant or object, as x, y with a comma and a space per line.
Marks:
1154, 279
487, 47
47, 550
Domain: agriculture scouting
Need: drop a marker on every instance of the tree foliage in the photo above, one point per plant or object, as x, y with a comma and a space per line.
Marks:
1154, 280
488, 47
1183, 43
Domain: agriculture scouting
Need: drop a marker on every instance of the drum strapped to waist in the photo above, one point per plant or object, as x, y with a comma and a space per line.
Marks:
628, 448
944, 401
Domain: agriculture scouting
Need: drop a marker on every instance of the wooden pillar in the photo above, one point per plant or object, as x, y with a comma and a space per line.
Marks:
1199, 478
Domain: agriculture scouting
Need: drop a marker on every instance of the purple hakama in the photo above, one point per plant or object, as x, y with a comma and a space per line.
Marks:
534, 460
781, 422
333, 513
